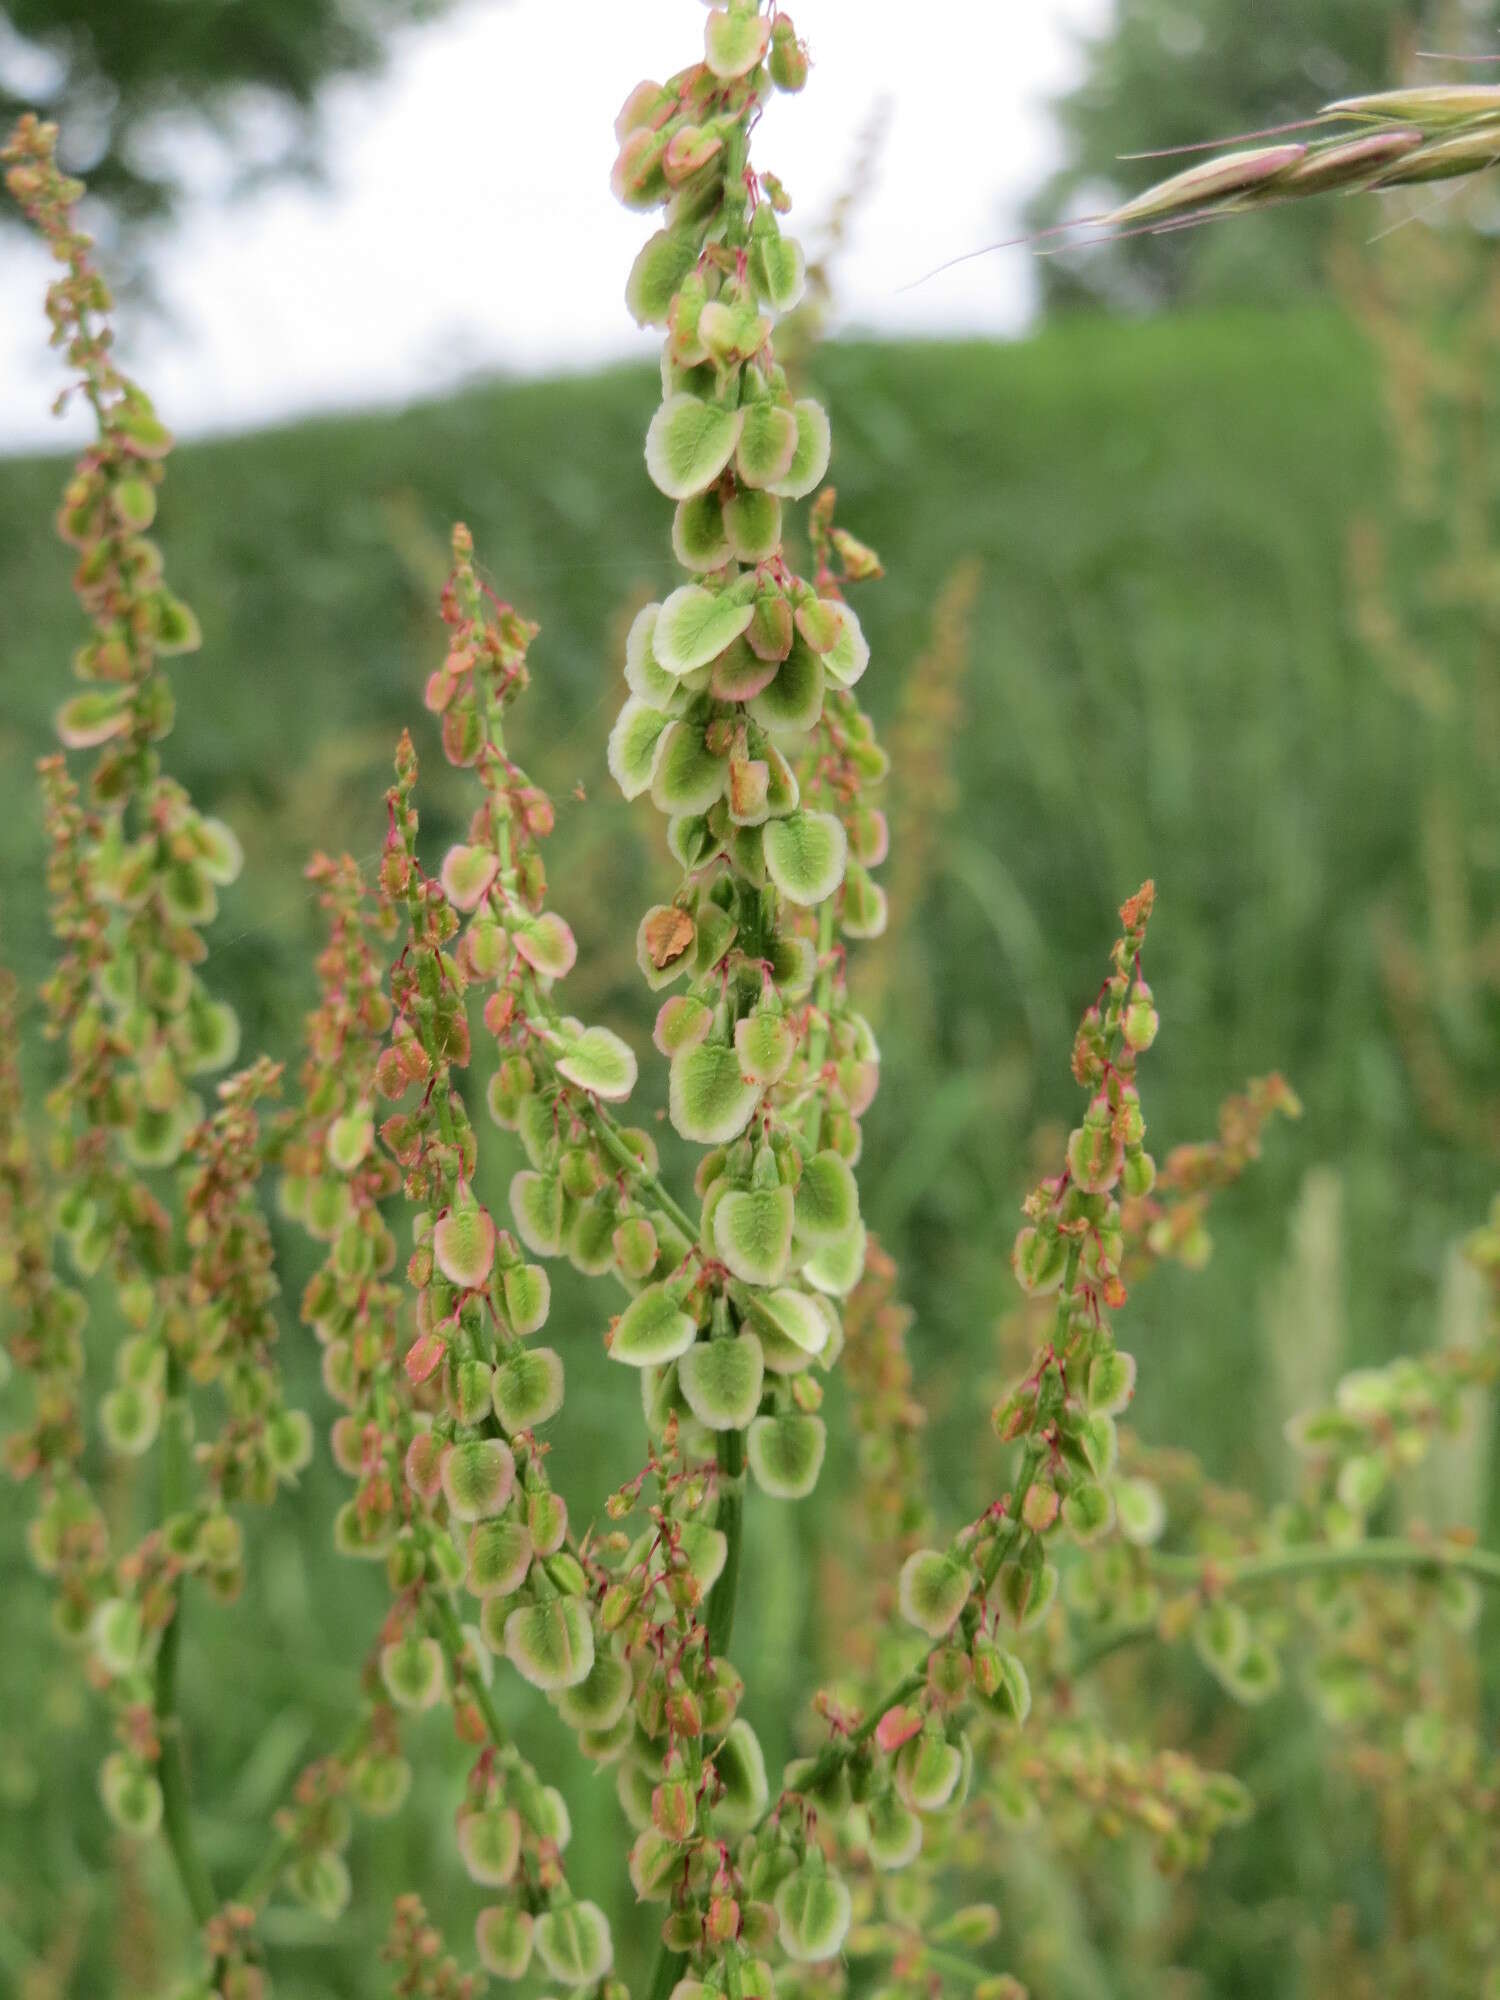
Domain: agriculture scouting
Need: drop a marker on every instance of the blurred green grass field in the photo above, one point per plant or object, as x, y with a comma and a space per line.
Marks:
1164, 679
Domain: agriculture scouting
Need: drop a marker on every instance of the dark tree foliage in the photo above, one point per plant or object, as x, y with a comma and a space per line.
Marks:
118, 66
1179, 72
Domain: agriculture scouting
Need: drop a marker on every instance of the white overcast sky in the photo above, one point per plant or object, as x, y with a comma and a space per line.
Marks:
466, 222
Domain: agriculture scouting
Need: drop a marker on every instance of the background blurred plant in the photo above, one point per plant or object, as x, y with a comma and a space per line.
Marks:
1165, 73
113, 75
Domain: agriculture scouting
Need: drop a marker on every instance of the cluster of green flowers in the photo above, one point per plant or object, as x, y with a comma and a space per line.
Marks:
134, 872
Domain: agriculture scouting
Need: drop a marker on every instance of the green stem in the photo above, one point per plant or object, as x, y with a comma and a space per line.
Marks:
1291, 1566
1489, 1527
608, 1133
731, 1523
171, 1771
950, 1963
453, 1638
261, 1880
720, 1625
665, 1973
817, 1041
1327, 1559
834, 1753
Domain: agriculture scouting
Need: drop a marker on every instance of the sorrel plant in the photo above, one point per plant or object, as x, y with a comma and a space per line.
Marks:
745, 1299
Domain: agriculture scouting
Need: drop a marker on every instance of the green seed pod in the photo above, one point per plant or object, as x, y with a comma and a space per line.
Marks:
412, 1670
635, 1247
740, 1767
499, 1557
463, 1243
895, 1833
1111, 1382
810, 455
710, 1098
766, 448
635, 747
927, 1772
787, 1315
574, 1943
814, 1910
827, 1199
788, 64
1095, 1154
221, 1543
289, 1442
752, 525
361, 1536
1141, 1511
503, 1939
786, 1454
1138, 1175
639, 175
550, 1644
528, 1297
527, 1389
653, 1329
379, 1785
130, 1418
131, 1795
934, 1589
700, 540
1001, 1681
655, 1865
1221, 1636
606, 1746
805, 855
661, 264
688, 445
469, 1389
479, 1476
547, 944
536, 1206
753, 1233
1027, 1594
705, 1550
790, 704
547, 1521
597, 1702
118, 1633
1088, 1511
721, 1381
489, 1844
1141, 1020
320, 1881
734, 41
444, 1564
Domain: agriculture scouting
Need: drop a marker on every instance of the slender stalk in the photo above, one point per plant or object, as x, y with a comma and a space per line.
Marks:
608, 1133
1489, 1527
177, 1817
262, 1878
1326, 1559
731, 1523
453, 1638
1290, 1566
665, 1974
817, 1041
669, 1965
